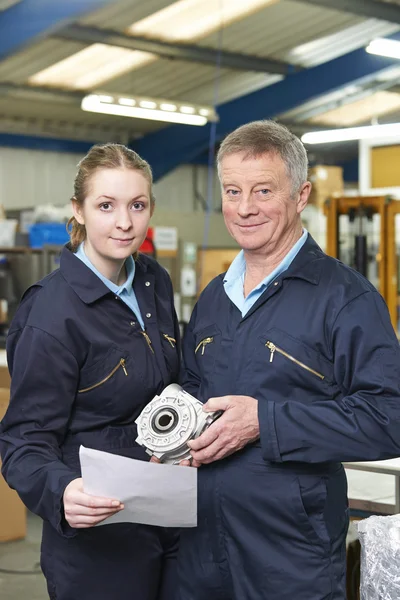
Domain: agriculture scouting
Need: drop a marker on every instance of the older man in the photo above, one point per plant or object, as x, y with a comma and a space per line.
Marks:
298, 351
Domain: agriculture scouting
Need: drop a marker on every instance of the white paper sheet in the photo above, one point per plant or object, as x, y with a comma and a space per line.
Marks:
152, 493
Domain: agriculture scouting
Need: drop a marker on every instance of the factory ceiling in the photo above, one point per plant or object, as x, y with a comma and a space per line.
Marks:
300, 61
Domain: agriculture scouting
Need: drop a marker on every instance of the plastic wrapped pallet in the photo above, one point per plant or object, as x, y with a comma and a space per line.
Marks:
380, 558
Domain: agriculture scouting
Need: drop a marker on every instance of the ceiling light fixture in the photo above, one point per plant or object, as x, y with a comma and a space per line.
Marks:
189, 110
170, 107
351, 133
146, 108
127, 101
384, 47
147, 104
106, 99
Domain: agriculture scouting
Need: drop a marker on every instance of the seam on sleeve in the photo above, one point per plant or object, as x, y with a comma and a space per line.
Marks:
343, 308
53, 338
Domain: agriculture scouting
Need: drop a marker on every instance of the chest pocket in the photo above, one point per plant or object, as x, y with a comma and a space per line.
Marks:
106, 377
294, 362
207, 347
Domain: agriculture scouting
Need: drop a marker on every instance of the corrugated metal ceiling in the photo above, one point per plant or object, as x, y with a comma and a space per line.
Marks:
276, 31
119, 15
288, 30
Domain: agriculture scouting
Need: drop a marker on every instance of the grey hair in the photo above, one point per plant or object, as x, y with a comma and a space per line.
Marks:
263, 137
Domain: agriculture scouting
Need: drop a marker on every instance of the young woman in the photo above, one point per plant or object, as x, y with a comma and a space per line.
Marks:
89, 347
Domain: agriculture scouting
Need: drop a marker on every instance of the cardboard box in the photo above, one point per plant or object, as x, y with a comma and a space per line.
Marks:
5, 381
326, 181
213, 261
12, 511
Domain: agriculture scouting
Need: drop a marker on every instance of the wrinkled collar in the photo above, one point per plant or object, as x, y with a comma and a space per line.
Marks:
308, 263
83, 281
238, 267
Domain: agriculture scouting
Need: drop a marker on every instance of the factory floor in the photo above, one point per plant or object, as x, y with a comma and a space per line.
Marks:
20, 574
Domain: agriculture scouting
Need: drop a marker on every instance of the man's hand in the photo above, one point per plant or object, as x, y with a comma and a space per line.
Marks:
236, 427
83, 510
183, 463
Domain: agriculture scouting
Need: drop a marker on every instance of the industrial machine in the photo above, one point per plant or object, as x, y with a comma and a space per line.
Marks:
364, 232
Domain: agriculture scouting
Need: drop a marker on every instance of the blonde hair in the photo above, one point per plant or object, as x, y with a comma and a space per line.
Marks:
102, 156
262, 137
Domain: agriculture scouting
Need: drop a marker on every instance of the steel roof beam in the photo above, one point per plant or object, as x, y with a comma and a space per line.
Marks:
178, 144
38, 93
187, 52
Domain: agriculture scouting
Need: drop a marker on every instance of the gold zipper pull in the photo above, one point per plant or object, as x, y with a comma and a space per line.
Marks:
170, 339
122, 363
272, 349
148, 340
202, 344
99, 383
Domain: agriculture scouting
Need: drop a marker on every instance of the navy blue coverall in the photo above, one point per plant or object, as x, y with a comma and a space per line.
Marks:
318, 352
82, 371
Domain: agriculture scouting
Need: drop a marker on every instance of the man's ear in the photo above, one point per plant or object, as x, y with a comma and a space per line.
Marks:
77, 210
302, 199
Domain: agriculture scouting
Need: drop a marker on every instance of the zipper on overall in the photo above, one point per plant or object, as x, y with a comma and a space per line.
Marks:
170, 339
148, 340
273, 348
120, 365
203, 344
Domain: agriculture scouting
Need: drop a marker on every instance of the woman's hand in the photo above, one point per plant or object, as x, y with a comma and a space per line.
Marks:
82, 510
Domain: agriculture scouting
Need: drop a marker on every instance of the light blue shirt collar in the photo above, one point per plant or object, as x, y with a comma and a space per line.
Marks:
234, 277
116, 289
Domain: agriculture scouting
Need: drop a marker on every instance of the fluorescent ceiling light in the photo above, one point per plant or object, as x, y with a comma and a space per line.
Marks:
91, 67
325, 48
364, 109
127, 101
147, 104
142, 108
351, 133
189, 110
384, 47
194, 19
104, 98
166, 106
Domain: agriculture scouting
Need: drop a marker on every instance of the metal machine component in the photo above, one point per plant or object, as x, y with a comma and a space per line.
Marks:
169, 421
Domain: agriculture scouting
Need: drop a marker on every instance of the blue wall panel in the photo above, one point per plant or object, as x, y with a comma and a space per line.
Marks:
31, 142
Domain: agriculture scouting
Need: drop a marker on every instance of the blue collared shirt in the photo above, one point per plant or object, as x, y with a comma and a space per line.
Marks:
234, 277
125, 291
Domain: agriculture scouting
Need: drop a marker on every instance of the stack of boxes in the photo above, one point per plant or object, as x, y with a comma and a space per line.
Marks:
326, 181
13, 512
